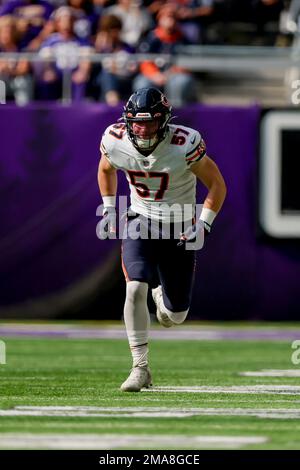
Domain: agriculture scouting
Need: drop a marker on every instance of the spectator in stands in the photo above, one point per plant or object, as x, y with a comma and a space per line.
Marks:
294, 8
99, 5
293, 15
178, 84
84, 17
115, 76
264, 12
98, 10
192, 14
32, 20
289, 25
135, 19
57, 3
16, 74
64, 46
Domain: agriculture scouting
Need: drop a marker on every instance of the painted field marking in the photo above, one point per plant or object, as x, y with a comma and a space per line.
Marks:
148, 412
272, 373
249, 389
192, 332
117, 441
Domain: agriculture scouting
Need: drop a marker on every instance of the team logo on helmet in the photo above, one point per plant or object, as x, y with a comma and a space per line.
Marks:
165, 101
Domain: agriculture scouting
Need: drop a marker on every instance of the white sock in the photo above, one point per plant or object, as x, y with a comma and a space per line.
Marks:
140, 355
137, 321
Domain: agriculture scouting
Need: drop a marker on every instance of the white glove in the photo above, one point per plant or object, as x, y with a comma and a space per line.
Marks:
204, 222
192, 231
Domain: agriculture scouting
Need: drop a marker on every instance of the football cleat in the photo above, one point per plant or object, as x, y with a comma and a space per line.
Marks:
139, 377
162, 317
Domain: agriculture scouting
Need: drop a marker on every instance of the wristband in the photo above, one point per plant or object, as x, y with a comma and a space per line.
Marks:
109, 201
207, 216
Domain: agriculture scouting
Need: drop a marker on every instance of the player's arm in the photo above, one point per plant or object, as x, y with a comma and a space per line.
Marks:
209, 174
107, 180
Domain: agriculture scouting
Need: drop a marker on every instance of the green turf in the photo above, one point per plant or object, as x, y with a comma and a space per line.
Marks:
89, 372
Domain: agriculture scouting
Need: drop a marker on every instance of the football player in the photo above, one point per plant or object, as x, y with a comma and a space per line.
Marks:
162, 162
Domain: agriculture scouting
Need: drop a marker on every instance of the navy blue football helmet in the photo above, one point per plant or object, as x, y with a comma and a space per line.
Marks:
147, 104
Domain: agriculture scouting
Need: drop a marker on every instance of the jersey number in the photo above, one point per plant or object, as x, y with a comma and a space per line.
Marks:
142, 189
118, 132
179, 139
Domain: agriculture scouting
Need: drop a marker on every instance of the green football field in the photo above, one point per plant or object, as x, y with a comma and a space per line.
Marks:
62, 391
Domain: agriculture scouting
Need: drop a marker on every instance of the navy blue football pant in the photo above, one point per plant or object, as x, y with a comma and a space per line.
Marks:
161, 261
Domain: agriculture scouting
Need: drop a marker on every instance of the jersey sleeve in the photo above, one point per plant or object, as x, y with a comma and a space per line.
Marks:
107, 147
196, 149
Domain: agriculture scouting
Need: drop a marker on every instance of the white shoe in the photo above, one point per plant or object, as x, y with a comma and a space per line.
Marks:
139, 377
162, 317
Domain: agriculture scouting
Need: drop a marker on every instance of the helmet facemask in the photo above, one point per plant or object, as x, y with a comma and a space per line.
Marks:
144, 132
147, 106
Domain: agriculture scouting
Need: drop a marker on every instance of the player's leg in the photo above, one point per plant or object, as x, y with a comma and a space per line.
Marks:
138, 268
136, 317
161, 312
176, 267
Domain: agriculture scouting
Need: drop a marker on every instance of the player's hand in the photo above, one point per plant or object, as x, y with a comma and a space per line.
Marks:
191, 232
108, 224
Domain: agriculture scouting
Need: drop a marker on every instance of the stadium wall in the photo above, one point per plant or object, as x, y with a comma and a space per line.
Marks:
53, 266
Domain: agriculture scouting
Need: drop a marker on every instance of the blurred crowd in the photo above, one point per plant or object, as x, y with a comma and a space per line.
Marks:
59, 30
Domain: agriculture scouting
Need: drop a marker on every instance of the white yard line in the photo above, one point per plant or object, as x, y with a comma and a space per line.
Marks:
249, 389
148, 412
272, 373
117, 441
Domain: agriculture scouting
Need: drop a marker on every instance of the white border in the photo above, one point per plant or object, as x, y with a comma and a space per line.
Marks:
273, 221
2, 92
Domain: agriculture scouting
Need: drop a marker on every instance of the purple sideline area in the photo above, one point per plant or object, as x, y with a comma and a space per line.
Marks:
49, 195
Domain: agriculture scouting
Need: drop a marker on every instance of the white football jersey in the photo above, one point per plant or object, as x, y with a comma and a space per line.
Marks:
162, 185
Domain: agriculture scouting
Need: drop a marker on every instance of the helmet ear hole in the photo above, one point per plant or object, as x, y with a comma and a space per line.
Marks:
147, 104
